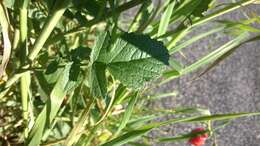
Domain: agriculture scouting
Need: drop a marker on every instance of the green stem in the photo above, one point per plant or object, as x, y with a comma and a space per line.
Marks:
16, 39
25, 79
75, 132
23, 34
61, 6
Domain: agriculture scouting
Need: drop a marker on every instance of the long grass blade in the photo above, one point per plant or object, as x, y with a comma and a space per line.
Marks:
215, 54
135, 134
165, 20
51, 108
194, 39
127, 114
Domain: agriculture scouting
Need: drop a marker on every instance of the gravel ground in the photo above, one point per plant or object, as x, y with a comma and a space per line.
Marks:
233, 86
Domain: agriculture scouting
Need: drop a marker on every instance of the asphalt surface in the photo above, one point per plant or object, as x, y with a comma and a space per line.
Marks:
231, 87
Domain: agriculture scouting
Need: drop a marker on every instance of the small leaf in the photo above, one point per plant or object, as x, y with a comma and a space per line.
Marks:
92, 6
81, 18
52, 67
202, 7
81, 53
98, 87
74, 72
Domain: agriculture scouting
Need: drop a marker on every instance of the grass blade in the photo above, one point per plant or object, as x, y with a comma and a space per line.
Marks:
135, 134
165, 20
75, 133
127, 114
217, 117
128, 137
215, 54
190, 135
194, 39
50, 109
61, 6
224, 56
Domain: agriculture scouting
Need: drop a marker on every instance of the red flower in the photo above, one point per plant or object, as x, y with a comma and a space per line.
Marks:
200, 139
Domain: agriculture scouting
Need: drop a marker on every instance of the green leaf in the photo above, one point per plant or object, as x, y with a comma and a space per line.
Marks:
165, 20
182, 137
142, 17
202, 7
98, 85
120, 94
128, 137
134, 59
79, 54
214, 55
102, 42
50, 109
52, 67
134, 74
127, 114
92, 6
195, 39
224, 56
75, 72
217, 117
135, 134
190, 135
181, 11
44, 88
239, 27
137, 122
220, 117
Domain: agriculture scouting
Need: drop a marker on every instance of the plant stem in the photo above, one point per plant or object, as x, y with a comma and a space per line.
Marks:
61, 6
25, 79
74, 134
16, 39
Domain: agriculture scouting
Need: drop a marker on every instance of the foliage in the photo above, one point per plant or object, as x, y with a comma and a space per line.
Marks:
84, 71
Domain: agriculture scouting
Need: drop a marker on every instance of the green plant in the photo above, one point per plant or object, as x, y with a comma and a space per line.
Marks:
83, 69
